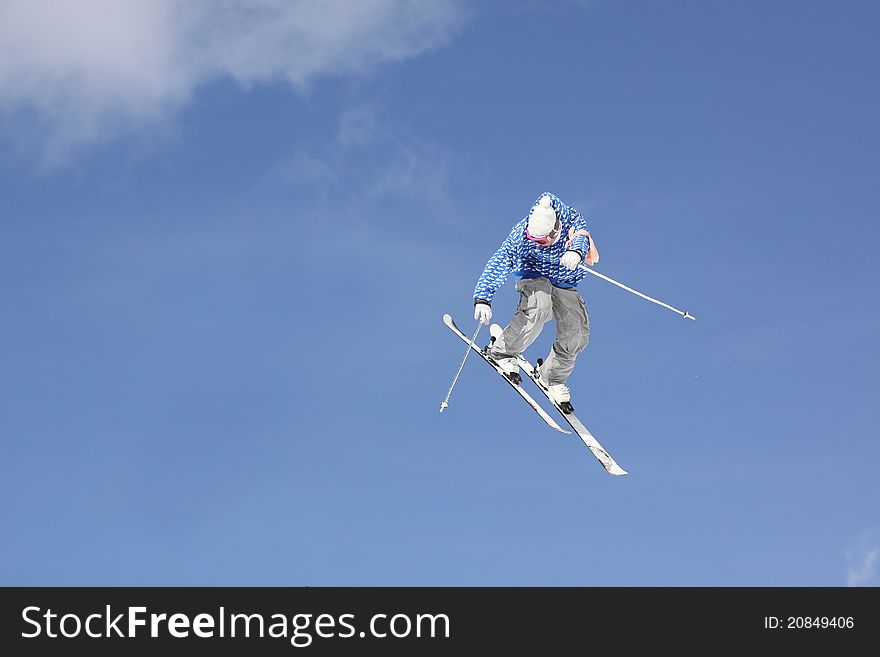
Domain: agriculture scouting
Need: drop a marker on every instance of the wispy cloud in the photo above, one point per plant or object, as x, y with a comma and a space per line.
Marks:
863, 559
305, 168
81, 71
374, 161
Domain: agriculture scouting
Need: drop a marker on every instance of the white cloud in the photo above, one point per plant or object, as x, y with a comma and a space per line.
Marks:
374, 160
305, 169
83, 70
358, 126
863, 560
417, 170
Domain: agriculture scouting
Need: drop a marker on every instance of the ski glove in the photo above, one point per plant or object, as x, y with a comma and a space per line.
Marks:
482, 312
571, 259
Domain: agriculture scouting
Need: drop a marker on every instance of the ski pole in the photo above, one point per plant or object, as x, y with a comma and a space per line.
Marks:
683, 313
445, 402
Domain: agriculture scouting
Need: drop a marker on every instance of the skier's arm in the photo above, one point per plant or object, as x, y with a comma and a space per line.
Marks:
496, 271
581, 242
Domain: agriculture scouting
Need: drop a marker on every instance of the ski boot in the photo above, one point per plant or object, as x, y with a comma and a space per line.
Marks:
509, 366
559, 392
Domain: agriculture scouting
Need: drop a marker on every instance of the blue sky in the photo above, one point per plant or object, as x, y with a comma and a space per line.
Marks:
228, 238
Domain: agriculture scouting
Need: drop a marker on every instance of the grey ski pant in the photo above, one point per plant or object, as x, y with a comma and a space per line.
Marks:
539, 301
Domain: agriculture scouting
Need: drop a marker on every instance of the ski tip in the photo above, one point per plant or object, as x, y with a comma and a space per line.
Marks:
447, 318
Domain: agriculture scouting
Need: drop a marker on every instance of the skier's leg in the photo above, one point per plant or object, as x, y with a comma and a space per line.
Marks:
534, 310
572, 335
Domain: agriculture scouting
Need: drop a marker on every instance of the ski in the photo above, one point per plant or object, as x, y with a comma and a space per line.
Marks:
447, 319
583, 433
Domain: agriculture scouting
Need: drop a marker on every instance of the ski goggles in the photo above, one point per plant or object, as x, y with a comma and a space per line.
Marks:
545, 240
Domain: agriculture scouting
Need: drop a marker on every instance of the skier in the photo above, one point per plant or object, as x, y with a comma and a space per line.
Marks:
544, 251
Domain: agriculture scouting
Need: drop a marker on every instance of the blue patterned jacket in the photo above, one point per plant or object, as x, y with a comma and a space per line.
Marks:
525, 259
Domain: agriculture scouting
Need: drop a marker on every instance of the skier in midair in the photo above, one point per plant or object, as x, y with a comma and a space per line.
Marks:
544, 251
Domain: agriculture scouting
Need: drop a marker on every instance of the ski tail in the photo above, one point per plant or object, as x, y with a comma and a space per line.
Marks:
604, 458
